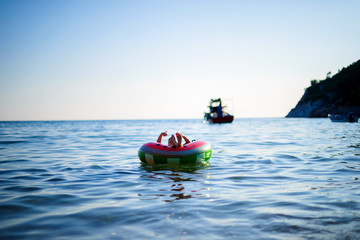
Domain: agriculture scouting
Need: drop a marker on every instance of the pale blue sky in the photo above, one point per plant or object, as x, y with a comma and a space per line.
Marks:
64, 60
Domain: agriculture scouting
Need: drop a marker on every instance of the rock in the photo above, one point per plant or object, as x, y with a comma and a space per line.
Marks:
339, 94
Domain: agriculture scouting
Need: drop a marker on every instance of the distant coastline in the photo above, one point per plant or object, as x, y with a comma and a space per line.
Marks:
339, 94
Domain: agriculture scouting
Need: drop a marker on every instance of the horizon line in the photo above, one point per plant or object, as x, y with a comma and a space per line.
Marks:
130, 119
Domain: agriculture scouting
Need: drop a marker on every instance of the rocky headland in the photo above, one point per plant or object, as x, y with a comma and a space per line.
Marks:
339, 94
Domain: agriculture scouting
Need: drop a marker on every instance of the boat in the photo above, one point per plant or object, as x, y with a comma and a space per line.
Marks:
343, 117
216, 113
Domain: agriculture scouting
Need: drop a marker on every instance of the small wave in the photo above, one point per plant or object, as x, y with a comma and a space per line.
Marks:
55, 180
287, 228
287, 156
6, 209
355, 146
348, 170
22, 189
5, 172
244, 156
13, 161
123, 172
274, 143
11, 142
96, 167
49, 200
35, 170
25, 178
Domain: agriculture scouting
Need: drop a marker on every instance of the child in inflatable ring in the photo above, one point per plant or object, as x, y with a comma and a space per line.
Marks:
172, 141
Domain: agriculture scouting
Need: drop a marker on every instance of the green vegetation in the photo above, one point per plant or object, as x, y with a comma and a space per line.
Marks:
339, 94
341, 89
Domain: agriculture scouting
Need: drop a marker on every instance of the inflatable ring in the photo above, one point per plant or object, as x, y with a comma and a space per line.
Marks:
157, 153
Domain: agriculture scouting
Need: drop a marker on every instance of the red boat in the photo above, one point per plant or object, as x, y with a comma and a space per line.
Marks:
217, 113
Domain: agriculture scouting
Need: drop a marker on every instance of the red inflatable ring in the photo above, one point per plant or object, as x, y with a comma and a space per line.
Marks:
157, 153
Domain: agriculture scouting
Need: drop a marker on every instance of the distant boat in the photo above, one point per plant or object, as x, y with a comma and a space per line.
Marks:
343, 118
216, 113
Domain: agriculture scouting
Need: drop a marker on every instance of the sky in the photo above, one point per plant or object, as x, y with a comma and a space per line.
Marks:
152, 59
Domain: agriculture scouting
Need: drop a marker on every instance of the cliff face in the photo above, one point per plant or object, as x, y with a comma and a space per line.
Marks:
339, 94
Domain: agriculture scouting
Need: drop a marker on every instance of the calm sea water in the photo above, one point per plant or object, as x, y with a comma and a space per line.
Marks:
267, 179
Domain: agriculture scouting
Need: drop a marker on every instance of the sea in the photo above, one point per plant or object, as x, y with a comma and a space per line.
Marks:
268, 178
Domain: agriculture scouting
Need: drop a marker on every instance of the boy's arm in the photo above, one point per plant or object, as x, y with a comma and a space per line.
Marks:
185, 138
160, 136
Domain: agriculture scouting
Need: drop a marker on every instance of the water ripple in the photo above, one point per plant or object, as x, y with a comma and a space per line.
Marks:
267, 179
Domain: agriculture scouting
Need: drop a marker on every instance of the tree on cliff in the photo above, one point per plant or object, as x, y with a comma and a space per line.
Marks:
337, 94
